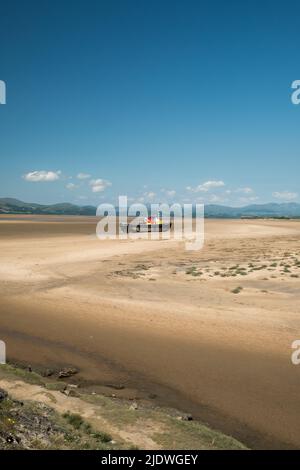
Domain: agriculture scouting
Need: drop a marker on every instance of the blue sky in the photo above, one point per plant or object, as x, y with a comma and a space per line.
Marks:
161, 100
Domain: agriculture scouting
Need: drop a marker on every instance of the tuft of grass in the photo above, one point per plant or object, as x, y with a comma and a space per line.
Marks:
102, 436
32, 425
189, 435
237, 290
193, 271
58, 386
75, 420
23, 374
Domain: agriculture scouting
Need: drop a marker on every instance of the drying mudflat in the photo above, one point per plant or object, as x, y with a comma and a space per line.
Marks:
208, 332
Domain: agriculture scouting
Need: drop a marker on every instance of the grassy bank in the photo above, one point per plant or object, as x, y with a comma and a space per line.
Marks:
38, 413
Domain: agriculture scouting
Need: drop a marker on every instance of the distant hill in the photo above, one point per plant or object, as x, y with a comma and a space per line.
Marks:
14, 206
289, 209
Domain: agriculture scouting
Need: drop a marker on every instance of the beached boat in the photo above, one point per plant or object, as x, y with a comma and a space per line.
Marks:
148, 224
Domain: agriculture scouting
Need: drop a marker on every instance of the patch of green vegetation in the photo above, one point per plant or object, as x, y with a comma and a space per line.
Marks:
259, 268
77, 421
74, 419
113, 411
13, 372
237, 290
193, 271
58, 386
102, 436
72, 431
192, 435
190, 270
33, 425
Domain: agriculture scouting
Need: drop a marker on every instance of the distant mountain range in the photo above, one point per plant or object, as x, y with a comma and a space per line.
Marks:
14, 206
289, 209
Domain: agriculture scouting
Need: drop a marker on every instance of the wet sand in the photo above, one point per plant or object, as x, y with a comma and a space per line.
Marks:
163, 321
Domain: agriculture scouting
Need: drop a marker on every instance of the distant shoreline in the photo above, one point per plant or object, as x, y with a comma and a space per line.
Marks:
287, 210
6, 216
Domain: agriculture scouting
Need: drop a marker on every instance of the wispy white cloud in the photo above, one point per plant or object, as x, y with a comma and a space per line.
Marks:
168, 192
247, 200
285, 195
207, 186
245, 190
149, 195
215, 199
99, 185
35, 176
211, 199
83, 176
71, 186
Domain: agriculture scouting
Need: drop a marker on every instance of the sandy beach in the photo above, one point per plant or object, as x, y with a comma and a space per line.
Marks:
208, 331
